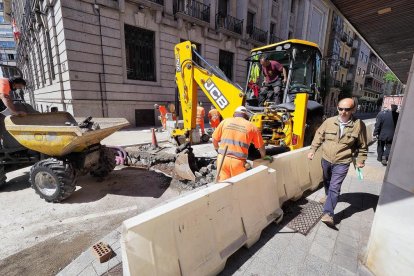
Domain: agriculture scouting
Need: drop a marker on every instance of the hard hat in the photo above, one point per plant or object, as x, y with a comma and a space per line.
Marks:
241, 109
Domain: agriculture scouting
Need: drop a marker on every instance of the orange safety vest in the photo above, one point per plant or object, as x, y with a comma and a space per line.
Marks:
5, 86
214, 117
200, 115
237, 133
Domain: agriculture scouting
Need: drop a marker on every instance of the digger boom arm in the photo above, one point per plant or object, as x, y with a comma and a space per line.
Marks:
225, 96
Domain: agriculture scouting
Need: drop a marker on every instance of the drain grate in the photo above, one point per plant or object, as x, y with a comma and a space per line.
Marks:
302, 215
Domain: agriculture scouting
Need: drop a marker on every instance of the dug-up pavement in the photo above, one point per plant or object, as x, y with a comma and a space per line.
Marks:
282, 251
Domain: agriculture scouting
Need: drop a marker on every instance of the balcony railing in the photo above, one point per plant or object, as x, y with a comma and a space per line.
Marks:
229, 23
192, 8
256, 33
274, 39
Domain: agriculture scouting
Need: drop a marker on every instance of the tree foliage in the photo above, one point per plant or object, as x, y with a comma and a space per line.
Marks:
390, 76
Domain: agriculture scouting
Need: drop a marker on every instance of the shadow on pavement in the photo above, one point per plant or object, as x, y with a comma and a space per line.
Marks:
129, 181
16, 184
358, 202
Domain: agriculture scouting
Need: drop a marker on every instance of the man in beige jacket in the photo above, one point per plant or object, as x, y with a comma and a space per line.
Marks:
342, 139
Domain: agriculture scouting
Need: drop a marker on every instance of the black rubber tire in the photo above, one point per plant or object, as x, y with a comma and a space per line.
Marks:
205, 138
107, 163
62, 172
3, 177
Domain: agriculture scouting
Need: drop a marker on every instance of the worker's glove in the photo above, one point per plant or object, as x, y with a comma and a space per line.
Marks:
268, 158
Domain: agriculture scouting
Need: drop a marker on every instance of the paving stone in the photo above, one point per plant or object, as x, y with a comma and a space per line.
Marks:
269, 254
348, 262
238, 262
321, 251
315, 266
89, 271
102, 268
300, 242
352, 241
324, 241
112, 238
346, 249
260, 267
291, 262
327, 232
278, 242
337, 270
79, 264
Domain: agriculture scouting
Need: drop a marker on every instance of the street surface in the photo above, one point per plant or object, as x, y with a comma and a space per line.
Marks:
40, 238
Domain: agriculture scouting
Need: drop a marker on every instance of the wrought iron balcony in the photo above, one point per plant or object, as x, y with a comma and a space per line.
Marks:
192, 8
337, 83
274, 39
256, 33
229, 23
344, 37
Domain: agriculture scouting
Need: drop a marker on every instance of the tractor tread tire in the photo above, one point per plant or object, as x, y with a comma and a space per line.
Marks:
62, 171
107, 163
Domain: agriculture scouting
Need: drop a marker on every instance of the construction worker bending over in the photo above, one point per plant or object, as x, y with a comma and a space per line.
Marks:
200, 117
214, 117
237, 134
6, 86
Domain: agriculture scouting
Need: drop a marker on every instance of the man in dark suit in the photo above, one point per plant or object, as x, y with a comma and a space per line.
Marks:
384, 131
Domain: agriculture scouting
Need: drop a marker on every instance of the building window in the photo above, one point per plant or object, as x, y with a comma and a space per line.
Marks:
366, 58
226, 63
359, 71
361, 56
10, 56
363, 73
250, 22
140, 53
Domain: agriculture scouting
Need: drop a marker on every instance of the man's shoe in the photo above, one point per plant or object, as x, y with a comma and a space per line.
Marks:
328, 220
384, 162
322, 200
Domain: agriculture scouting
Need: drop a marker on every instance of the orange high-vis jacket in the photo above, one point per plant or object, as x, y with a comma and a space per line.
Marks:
237, 133
200, 115
214, 117
5, 86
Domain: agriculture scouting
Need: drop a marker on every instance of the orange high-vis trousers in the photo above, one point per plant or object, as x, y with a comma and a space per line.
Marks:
231, 167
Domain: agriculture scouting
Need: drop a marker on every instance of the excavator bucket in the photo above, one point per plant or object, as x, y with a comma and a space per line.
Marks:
182, 166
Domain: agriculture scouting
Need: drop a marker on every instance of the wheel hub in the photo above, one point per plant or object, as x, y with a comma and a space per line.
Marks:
46, 183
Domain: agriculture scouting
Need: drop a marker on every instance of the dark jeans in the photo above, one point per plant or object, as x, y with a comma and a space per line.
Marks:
271, 93
333, 176
383, 149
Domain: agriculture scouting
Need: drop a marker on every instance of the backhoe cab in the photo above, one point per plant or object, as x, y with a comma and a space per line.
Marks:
290, 125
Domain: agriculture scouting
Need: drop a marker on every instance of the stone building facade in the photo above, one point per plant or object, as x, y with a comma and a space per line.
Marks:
7, 43
110, 58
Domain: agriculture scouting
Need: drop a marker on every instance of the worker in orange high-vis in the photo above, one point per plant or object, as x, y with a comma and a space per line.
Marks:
236, 134
6, 86
200, 117
214, 117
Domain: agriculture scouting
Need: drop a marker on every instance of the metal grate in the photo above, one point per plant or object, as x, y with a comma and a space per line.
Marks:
302, 215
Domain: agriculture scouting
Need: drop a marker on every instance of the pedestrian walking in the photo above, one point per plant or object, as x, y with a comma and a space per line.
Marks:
384, 131
236, 134
342, 139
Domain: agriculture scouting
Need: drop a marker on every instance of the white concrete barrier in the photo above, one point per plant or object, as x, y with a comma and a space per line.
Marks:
195, 234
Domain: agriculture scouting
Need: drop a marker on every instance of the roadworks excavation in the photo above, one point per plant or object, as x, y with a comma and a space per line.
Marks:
162, 160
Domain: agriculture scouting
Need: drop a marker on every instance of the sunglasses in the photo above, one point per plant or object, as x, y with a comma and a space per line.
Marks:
344, 108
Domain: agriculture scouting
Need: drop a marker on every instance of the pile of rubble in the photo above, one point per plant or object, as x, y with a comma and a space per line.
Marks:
158, 160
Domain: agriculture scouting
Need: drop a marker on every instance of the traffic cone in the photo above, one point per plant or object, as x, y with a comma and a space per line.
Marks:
154, 142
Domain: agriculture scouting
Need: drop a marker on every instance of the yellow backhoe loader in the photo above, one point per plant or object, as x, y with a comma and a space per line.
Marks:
284, 125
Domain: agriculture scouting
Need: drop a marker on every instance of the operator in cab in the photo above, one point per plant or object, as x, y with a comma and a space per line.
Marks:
236, 134
274, 73
6, 86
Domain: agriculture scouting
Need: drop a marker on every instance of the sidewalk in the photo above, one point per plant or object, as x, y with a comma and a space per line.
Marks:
324, 251
281, 251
